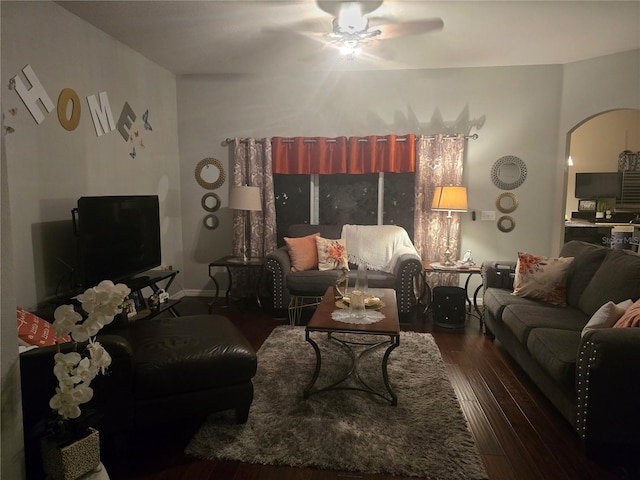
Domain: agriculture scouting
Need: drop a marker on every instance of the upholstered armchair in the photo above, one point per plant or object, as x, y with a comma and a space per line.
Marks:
288, 285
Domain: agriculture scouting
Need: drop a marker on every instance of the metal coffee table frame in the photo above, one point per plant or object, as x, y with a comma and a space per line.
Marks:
347, 346
389, 328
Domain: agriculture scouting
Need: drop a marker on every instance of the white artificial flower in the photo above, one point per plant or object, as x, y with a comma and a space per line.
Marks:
99, 356
65, 403
80, 333
82, 393
65, 364
67, 384
65, 318
74, 371
86, 370
88, 300
94, 323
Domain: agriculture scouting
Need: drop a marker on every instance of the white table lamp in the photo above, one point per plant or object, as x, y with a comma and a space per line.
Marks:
245, 199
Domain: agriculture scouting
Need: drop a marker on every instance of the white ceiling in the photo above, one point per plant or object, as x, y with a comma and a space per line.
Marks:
213, 37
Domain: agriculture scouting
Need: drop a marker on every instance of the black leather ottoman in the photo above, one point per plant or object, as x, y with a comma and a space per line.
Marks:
190, 365
449, 306
164, 370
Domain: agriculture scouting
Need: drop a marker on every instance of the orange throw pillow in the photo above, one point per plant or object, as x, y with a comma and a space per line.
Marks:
36, 331
303, 252
631, 317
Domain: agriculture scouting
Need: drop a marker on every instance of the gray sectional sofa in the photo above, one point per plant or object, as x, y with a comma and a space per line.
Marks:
592, 379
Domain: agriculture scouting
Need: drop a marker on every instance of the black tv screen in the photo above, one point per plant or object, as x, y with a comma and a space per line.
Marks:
599, 185
118, 237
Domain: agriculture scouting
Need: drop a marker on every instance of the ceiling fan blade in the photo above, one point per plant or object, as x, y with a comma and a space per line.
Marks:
415, 27
304, 27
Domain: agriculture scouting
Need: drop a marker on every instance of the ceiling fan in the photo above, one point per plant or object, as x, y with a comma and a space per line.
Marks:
353, 26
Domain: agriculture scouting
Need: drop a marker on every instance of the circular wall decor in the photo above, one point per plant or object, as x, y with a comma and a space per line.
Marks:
211, 202
507, 202
506, 223
210, 173
508, 172
211, 222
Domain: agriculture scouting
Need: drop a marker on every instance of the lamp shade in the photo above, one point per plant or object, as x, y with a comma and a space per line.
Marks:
450, 199
245, 198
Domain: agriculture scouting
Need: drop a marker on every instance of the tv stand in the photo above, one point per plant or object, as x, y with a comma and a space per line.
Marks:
151, 279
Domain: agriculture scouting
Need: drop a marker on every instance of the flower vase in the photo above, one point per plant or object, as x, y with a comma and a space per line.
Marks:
71, 461
362, 283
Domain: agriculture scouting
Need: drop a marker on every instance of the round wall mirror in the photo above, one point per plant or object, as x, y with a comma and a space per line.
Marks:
210, 173
211, 202
506, 223
508, 172
211, 222
507, 202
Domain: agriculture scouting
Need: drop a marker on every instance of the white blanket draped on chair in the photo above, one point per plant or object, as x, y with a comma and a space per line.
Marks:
376, 246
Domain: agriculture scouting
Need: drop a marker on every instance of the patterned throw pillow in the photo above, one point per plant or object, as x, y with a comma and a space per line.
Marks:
33, 330
332, 254
303, 252
542, 278
631, 317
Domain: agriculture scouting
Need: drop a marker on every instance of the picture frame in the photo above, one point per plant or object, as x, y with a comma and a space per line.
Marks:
129, 308
586, 205
138, 300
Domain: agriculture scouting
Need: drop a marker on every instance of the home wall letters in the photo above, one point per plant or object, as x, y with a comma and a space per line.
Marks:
69, 115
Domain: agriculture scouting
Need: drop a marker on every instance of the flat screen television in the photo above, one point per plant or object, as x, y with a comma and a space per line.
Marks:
118, 237
599, 185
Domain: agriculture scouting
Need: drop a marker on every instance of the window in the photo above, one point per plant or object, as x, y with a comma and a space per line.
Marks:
365, 199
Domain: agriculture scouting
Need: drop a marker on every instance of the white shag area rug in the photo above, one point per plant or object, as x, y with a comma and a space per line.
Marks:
426, 435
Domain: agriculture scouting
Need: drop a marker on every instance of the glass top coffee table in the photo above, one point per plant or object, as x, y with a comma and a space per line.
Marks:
369, 337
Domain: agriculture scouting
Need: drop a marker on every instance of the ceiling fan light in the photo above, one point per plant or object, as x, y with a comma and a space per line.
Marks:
350, 48
351, 20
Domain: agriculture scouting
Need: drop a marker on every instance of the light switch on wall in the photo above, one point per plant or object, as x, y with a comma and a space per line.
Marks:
488, 215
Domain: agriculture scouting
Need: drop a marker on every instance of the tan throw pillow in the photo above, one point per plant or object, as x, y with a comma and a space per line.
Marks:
542, 278
332, 254
631, 317
303, 252
36, 331
607, 315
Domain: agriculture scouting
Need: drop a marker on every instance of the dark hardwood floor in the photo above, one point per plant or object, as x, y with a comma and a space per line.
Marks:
518, 433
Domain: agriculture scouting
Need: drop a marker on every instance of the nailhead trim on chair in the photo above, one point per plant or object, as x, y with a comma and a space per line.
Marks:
405, 293
278, 282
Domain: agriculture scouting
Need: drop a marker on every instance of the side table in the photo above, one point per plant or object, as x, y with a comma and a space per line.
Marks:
429, 267
230, 262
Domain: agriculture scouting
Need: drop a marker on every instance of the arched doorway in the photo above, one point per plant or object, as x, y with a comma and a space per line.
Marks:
594, 145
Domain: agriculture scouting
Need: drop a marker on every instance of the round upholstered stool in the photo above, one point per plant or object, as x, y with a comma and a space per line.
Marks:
449, 306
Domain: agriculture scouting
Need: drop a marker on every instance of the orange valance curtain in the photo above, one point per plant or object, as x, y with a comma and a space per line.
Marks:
329, 156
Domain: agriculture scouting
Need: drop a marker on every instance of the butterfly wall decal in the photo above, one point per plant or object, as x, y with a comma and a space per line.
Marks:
145, 118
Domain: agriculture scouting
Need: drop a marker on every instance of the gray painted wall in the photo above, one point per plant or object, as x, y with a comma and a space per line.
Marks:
518, 110
49, 167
